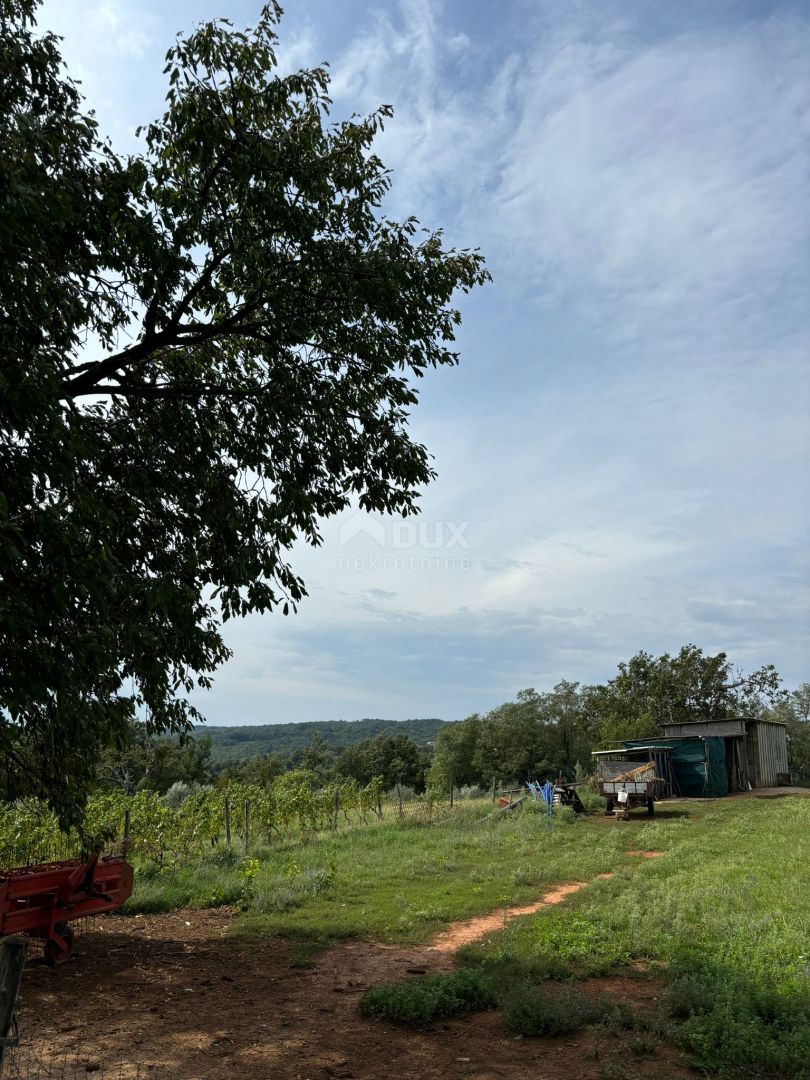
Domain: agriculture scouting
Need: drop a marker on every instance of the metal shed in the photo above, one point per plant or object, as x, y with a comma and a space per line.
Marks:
756, 750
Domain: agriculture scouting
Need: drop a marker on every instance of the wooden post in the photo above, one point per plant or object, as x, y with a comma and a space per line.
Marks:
335, 809
399, 798
245, 834
493, 788
12, 961
127, 825
227, 822
451, 794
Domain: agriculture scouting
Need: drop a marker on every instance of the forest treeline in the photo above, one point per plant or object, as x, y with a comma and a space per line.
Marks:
232, 744
540, 734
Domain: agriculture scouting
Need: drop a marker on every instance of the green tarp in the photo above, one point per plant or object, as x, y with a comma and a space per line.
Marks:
699, 764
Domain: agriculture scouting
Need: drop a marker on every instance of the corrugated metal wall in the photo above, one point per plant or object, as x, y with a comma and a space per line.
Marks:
770, 753
705, 728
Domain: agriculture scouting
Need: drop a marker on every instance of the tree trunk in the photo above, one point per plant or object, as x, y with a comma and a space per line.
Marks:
12, 961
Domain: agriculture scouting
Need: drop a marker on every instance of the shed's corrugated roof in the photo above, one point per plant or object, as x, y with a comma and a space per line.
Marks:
630, 749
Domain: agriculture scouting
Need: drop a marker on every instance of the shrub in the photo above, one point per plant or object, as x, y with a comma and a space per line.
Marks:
688, 996
177, 794
407, 793
424, 999
471, 791
529, 1011
591, 800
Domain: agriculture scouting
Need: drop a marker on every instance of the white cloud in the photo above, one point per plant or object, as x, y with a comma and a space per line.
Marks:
671, 179
113, 29
627, 435
636, 180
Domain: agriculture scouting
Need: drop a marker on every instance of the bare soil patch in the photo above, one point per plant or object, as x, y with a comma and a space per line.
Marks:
646, 854
172, 991
462, 933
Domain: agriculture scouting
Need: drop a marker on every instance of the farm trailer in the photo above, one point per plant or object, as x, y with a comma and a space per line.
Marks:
634, 777
41, 901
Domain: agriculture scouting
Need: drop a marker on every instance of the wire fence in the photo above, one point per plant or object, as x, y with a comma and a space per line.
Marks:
171, 835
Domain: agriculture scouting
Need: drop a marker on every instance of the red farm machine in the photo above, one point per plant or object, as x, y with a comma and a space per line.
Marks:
41, 901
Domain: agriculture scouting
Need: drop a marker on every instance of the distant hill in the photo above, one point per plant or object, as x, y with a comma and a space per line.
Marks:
230, 745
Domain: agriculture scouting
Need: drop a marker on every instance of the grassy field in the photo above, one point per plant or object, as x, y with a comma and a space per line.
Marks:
389, 882
723, 916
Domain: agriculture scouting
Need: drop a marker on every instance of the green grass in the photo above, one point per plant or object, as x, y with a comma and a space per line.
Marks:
201, 885
389, 882
723, 916
403, 884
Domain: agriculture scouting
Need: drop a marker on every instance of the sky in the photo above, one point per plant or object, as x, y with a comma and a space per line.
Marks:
622, 453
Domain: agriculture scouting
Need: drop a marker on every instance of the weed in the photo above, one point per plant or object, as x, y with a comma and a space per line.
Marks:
642, 1047
248, 871
223, 856
529, 1010
303, 952
524, 875
687, 996
290, 890
431, 997
592, 802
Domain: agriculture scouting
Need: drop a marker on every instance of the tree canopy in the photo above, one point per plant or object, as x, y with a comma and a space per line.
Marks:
793, 711
544, 734
206, 348
649, 691
146, 762
395, 758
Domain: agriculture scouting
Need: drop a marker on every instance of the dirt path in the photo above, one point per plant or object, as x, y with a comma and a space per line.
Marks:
463, 933
171, 991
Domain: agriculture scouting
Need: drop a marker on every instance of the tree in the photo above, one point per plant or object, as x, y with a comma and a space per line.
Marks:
262, 770
794, 712
396, 758
318, 757
568, 730
538, 736
650, 691
207, 347
454, 755
140, 761
187, 760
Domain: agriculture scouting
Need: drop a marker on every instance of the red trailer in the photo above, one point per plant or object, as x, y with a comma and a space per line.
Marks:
41, 901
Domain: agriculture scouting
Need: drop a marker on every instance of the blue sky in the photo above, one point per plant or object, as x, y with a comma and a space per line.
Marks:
623, 452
